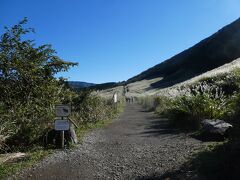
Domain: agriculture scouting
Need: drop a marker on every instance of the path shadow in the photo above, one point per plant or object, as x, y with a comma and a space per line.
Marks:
158, 127
219, 161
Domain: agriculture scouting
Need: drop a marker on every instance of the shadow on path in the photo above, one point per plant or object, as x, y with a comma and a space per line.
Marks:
158, 126
220, 161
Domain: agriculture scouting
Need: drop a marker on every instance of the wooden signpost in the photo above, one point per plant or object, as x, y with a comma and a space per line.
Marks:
62, 123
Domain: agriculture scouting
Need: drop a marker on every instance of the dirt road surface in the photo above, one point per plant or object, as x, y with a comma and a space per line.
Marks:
137, 145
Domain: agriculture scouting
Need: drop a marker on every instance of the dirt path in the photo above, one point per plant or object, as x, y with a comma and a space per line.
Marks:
136, 146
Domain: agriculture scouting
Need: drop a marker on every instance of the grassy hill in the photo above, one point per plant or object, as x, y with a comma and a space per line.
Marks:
212, 52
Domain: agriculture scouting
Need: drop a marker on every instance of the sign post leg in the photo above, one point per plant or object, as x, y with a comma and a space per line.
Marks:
62, 139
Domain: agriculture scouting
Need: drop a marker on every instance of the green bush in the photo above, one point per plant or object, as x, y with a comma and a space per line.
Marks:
235, 107
88, 107
189, 111
162, 104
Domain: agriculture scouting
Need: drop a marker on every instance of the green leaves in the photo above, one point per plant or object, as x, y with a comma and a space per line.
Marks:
28, 87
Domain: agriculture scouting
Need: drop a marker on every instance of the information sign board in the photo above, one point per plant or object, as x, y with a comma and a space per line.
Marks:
61, 125
62, 110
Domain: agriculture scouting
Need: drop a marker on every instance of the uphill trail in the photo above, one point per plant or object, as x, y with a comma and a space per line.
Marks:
137, 145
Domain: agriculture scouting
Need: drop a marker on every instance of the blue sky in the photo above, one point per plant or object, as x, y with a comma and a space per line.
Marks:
114, 40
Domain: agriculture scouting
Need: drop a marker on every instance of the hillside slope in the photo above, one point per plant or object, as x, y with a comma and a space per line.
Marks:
178, 89
214, 51
79, 84
144, 88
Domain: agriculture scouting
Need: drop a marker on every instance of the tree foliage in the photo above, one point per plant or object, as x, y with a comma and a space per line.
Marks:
28, 85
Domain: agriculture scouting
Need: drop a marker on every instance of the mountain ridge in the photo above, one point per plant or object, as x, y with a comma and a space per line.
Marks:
80, 84
220, 48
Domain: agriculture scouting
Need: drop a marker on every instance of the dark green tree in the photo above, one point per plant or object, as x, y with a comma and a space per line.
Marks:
28, 85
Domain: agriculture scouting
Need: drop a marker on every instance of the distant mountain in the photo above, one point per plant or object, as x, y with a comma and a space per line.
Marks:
214, 51
104, 86
79, 84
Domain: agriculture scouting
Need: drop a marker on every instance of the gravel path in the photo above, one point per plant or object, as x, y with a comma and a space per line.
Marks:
137, 145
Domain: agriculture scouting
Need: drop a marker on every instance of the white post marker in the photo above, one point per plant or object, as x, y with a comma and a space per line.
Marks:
115, 98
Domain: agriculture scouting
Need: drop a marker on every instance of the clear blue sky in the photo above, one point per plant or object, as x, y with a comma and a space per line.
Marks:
114, 40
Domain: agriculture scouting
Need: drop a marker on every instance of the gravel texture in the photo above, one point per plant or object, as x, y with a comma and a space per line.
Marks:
137, 145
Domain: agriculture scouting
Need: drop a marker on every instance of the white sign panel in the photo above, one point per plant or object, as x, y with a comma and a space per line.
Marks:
61, 125
62, 110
